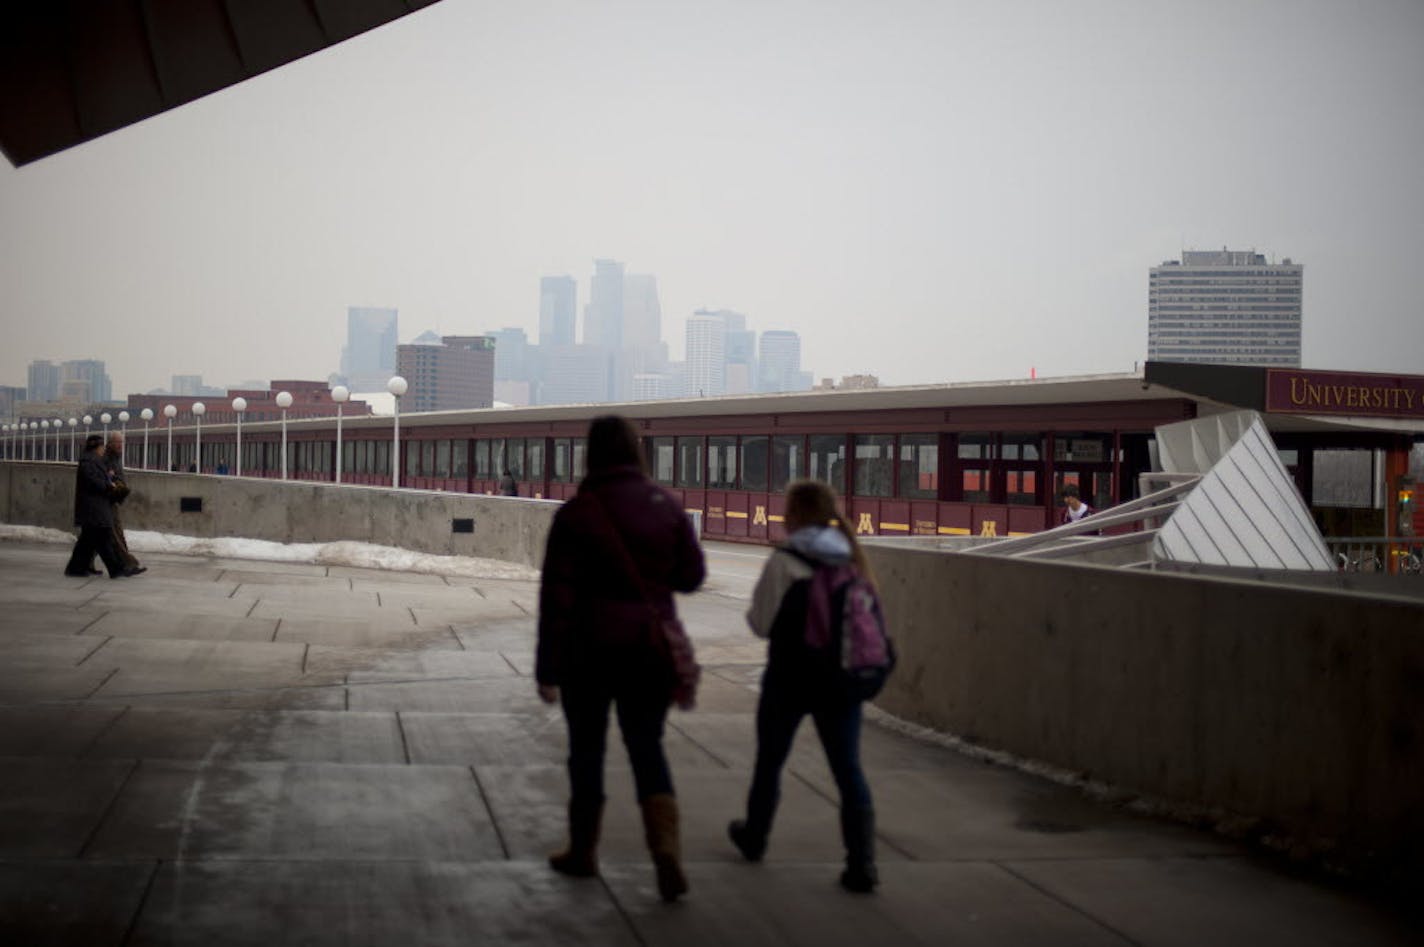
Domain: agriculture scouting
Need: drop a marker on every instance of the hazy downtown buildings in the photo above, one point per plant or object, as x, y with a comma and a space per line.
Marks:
557, 310
458, 373
368, 359
42, 381
1225, 307
779, 362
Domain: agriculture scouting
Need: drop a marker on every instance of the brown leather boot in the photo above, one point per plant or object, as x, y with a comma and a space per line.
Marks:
580, 859
660, 826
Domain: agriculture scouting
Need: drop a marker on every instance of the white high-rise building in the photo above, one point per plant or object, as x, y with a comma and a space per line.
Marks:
1226, 307
603, 316
706, 354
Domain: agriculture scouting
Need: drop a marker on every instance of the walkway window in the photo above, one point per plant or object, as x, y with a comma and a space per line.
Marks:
975, 453
498, 461
460, 459
721, 463
412, 457
661, 459
1023, 459
348, 458
788, 461
534, 459
689, 462
580, 458
442, 459
382, 465
1084, 458
563, 471
754, 463
828, 456
482, 460
427, 459
874, 464
919, 466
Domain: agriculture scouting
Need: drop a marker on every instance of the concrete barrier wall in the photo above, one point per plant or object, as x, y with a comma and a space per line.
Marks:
1301, 708
506, 528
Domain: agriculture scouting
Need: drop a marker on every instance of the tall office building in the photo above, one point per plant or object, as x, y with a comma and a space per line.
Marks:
557, 310
1226, 307
90, 372
706, 364
741, 361
642, 313
458, 373
603, 316
42, 381
511, 354
368, 359
779, 362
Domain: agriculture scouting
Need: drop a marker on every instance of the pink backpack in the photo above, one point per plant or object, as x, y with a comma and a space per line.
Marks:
844, 621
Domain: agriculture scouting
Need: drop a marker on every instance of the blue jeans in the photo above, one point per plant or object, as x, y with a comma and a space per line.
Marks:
640, 718
785, 699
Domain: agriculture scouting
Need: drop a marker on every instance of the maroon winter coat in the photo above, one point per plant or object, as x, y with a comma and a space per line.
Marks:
591, 609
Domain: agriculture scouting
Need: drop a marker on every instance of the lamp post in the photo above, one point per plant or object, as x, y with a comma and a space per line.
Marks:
44, 443
58, 425
284, 401
199, 409
170, 412
73, 423
147, 415
24, 426
339, 394
239, 405
106, 417
124, 424
88, 420
5, 433
396, 386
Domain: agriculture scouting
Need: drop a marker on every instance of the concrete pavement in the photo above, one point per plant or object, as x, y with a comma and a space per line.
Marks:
236, 752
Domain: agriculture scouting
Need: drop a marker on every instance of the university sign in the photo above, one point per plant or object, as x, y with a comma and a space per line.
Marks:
1309, 392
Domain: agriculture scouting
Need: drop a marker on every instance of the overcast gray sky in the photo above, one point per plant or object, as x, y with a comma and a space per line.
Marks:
928, 191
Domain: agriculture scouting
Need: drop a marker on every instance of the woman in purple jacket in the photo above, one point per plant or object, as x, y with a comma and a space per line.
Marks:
596, 639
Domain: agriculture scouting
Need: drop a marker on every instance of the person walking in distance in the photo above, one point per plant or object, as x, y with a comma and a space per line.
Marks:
114, 464
1074, 508
616, 552
94, 515
797, 682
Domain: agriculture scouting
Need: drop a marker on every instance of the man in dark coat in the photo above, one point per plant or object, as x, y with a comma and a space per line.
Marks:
114, 464
94, 515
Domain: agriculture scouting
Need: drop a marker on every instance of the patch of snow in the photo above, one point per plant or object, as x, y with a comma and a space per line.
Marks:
359, 555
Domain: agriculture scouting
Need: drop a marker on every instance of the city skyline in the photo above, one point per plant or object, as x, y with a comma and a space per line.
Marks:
923, 192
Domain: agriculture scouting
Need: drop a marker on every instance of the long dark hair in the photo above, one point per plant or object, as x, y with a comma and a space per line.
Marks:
613, 442
812, 503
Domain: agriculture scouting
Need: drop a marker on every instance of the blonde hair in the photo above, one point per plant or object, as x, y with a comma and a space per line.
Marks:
813, 503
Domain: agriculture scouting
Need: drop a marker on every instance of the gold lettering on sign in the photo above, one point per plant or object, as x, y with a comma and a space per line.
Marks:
863, 525
759, 516
989, 528
1303, 394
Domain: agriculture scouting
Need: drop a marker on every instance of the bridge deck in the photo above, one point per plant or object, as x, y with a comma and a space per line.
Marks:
241, 752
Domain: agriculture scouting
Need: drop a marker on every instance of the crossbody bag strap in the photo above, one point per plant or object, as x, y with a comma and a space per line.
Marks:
629, 565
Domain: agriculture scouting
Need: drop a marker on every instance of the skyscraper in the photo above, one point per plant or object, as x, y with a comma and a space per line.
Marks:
557, 310
368, 359
88, 372
1225, 307
780, 362
706, 364
42, 381
603, 317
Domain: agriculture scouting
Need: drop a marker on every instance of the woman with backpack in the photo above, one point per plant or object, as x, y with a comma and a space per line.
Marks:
801, 679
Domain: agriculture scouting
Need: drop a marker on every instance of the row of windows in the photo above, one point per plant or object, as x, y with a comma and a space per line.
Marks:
982, 467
